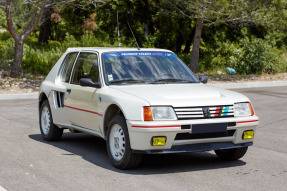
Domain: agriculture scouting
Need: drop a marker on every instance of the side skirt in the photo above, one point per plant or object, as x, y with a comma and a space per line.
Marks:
82, 129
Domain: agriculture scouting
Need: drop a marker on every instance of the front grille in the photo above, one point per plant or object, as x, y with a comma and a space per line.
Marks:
204, 112
186, 136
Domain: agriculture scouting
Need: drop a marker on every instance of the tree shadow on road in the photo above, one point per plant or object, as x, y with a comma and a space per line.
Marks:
93, 149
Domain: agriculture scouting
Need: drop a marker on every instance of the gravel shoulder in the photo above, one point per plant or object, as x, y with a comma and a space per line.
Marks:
19, 85
224, 78
31, 85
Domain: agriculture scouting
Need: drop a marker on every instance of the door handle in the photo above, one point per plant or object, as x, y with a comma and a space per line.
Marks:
69, 91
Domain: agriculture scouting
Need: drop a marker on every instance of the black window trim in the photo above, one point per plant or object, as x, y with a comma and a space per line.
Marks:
86, 51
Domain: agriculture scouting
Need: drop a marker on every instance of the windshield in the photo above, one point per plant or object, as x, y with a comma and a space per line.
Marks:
145, 67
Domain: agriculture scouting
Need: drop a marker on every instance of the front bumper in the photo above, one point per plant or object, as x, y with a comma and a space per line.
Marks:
141, 133
196, 148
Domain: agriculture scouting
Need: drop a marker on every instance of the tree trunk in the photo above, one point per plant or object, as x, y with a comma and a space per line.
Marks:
188, 42
16, 67
45, 28
196, 42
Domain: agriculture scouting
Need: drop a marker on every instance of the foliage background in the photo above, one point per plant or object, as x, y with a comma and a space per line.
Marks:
253, 49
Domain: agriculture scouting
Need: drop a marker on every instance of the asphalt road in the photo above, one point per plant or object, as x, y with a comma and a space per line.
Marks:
80, 161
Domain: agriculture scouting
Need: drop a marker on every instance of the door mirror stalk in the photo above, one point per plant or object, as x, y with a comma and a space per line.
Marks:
87, 82
203, 79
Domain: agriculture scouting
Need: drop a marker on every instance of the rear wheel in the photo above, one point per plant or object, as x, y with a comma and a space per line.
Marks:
231, 154
118, 145
49, 131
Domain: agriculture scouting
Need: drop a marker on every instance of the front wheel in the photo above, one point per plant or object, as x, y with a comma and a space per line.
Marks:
231, 154
118, 145
49, 131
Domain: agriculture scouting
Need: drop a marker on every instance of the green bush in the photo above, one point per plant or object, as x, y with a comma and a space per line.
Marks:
6, 54
88, 41
40, 58
224, 54
32, 41
39, 61
5, 36
184, 57
54, 43
255, 56
258, 57
70, 41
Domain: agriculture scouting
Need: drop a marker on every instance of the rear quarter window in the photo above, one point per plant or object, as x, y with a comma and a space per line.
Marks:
67, 67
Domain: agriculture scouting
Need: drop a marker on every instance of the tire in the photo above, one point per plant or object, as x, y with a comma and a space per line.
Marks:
231, 154
118, 145
49, 131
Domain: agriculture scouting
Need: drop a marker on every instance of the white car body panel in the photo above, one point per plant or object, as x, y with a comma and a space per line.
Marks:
142, 142
92, 104
85, 98
182, 95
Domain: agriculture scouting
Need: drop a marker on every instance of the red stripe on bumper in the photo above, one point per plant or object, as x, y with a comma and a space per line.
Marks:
248, 121
83, 110
155, 126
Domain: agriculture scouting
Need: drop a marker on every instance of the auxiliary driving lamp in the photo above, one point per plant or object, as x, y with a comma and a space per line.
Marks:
248, 134
158, 141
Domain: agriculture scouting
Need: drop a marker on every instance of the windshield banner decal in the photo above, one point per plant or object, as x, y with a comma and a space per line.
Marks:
124, 54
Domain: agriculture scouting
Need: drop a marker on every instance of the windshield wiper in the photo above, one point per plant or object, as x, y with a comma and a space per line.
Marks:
173, 80
126, 81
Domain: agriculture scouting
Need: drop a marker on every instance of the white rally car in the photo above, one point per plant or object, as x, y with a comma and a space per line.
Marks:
142, 101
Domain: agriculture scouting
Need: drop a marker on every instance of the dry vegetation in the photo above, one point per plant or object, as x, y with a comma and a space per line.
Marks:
31, 83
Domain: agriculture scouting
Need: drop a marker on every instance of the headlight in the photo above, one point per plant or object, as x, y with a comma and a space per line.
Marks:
243, 109
159, 113
163, 113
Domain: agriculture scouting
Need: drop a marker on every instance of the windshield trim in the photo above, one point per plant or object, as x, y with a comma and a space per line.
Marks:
196, 80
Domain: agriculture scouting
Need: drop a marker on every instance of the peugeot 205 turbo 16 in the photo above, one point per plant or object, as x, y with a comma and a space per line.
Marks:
142, 101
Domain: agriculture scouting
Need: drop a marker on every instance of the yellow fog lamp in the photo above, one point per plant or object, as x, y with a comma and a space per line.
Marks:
158, 141
248, 134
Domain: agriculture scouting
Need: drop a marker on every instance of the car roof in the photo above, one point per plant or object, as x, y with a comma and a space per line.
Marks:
115, 49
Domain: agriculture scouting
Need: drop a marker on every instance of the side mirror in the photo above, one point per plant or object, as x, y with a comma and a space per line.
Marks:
203, 79
87, 82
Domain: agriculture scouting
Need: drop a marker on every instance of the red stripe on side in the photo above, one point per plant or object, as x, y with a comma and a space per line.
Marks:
247, 121
155, 126
83, 110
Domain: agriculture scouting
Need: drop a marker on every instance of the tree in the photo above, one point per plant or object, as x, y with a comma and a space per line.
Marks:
45, 28
139, 14
75, 17
215, 12
22, 18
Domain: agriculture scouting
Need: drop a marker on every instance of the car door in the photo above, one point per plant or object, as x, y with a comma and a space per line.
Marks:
58, 93
81, 102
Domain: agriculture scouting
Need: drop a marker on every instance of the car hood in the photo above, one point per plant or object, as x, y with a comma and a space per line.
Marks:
180, 95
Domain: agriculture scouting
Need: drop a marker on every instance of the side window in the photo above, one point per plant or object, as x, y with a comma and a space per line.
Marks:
67, 66
86, 67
